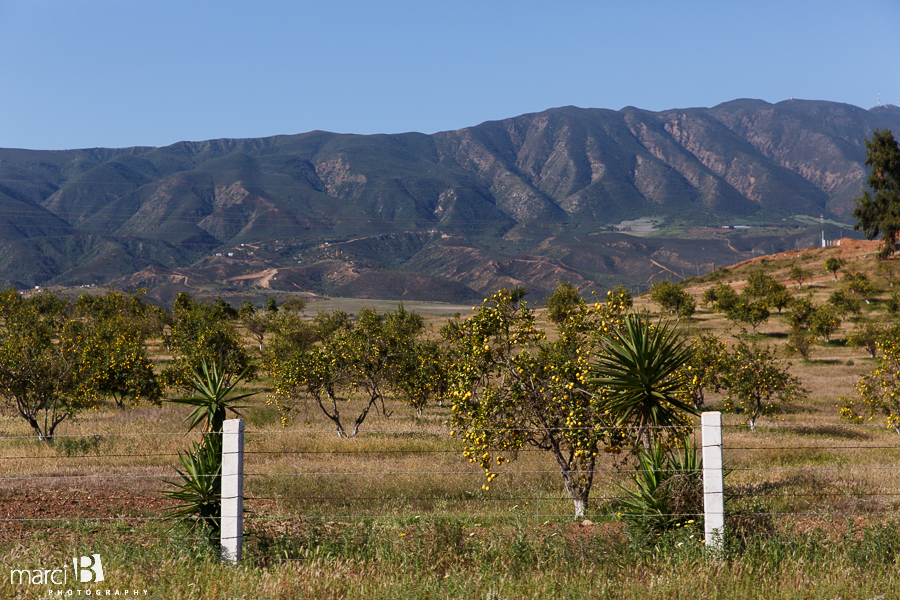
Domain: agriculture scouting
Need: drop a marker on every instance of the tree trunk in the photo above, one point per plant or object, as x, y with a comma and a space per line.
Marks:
578, 493
644, 437
578, 490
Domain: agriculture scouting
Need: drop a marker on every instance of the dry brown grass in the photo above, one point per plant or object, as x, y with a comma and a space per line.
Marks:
801, 460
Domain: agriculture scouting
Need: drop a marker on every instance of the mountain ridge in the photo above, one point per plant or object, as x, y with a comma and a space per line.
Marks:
504, 187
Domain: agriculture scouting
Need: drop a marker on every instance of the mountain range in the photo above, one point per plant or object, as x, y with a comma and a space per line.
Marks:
592, 196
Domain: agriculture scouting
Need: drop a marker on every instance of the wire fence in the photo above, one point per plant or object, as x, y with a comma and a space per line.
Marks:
829, 471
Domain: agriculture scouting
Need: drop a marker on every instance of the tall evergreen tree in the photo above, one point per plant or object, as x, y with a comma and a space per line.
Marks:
879, 213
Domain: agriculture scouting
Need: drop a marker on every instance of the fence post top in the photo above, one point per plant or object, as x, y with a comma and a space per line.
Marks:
233, 426
712, 418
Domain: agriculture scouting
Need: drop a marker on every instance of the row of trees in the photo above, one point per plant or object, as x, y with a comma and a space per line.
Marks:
762, 294
602, 381
59, 357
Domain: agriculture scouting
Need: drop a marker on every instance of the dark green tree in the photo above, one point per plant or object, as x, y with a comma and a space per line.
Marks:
878, 213
673, 299
563, 302
833, 264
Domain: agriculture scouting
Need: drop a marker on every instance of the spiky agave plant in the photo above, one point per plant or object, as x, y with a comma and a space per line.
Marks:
638, 373
669, 489
212, 401
199, 487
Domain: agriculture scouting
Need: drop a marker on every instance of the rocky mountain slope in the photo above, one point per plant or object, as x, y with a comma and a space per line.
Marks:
529, 200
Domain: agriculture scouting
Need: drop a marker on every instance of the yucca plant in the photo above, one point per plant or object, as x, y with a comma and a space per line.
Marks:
669, 490
211, 400
639, 376
200, 486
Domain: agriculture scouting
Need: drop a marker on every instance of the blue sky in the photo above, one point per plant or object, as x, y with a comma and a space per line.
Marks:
115, 73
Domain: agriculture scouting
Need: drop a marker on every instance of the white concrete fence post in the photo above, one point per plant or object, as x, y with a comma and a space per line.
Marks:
232, 529
713, 480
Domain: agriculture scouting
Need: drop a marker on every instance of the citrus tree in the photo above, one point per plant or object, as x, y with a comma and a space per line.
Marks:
749, 312
288, 332
363, 360
798, 275
757, 382
722, 298
204, 332
705, 369
834, 264
256, 324
564, 302
114, 361
511, 388
859, 284
867, 336
879, 389
844, 303
673, 299
801, 310
762, 286
419, 375
824, 321
40, 351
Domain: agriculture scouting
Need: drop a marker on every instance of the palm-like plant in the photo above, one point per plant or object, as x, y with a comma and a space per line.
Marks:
638, 373
212, 400
669, 489
200, 487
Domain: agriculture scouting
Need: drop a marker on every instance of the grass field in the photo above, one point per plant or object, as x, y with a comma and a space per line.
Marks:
397, 512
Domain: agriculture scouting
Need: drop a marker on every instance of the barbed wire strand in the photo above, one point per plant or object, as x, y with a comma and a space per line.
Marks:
445, 431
